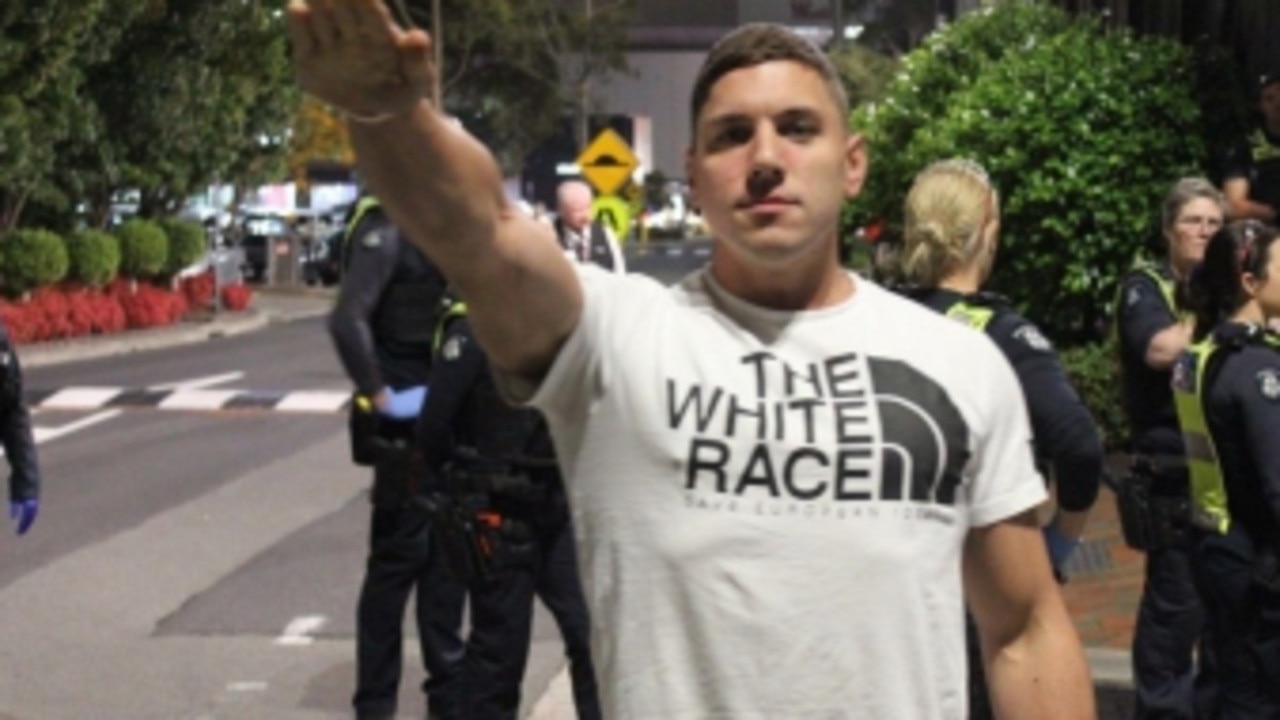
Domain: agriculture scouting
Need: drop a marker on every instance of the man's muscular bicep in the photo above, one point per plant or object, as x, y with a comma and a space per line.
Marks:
524, 300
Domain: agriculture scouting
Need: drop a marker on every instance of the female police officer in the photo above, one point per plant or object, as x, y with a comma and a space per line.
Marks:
949, 244
1227, 392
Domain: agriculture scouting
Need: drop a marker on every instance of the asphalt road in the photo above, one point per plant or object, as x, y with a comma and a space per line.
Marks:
202, 564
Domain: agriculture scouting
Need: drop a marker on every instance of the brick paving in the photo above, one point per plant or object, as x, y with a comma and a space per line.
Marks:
1105, 581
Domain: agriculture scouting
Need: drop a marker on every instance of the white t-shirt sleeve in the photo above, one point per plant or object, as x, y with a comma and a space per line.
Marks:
1004, 477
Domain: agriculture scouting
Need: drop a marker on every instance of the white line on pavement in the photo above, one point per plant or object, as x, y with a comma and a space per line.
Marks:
313, 401
299, 629
201, 382
45, 434
79, 398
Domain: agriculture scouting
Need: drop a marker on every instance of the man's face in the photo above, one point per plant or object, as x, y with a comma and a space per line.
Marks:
1269, 105
575, 210
1197, 221
772, 161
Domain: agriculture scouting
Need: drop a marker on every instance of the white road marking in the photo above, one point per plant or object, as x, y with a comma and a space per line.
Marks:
80, 398
45, 434
196, 383
246, 686
313, 401
299, 629
194, 399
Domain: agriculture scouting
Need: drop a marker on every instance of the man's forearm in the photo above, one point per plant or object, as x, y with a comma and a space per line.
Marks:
437, 183
1042, 673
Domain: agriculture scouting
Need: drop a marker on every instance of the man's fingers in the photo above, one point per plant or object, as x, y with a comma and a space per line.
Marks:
416, 60
300, 33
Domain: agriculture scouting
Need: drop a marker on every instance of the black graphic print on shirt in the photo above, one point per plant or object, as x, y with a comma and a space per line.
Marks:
847, 429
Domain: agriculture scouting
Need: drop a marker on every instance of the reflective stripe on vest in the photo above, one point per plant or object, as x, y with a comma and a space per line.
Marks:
975, 316
1208, 489
455, 310
363, 206
1166, 287
1261, 148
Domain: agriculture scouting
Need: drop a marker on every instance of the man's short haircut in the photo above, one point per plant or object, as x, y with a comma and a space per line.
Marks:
755, 44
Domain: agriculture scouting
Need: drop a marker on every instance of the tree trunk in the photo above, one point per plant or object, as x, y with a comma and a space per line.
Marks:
11, 206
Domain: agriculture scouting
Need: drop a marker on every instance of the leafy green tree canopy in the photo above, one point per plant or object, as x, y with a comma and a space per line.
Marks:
1083, 131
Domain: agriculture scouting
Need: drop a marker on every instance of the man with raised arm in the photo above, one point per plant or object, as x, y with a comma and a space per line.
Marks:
781, 475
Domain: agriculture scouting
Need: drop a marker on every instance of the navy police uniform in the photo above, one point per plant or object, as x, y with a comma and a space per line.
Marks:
500, 458
15, 427
1228, 397
1171, 617
1257, 160
1066, 438
382, 328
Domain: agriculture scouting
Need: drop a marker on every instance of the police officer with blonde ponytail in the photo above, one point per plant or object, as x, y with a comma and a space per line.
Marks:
952, 225
1227, 392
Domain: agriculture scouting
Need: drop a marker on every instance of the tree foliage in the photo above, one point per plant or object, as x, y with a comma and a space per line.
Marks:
1082, 159
159, 96
514, 68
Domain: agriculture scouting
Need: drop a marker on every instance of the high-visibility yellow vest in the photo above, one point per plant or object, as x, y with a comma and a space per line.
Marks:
1208, 488
975, 316
456, 309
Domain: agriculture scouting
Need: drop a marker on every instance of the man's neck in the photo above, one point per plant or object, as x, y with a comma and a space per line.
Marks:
801, 285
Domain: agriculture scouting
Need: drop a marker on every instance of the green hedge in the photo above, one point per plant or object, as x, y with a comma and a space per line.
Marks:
187, 243
1082, 129
94, 257
1094, 370
144, 248
30, 259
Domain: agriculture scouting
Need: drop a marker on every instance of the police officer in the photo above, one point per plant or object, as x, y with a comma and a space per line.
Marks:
952, 221
19, 445
381, 326
1251, 174
498, 461
1227, 388
1152, 331
583, 239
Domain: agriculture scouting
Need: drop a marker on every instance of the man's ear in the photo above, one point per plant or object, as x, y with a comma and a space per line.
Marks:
856, 165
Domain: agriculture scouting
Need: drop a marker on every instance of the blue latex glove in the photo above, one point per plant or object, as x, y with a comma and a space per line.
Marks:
405, 404
1060, 547
23, 513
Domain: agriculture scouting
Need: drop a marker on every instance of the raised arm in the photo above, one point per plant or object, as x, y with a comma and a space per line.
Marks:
436, 181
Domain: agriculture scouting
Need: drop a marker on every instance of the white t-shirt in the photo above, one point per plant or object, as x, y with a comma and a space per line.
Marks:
770, 506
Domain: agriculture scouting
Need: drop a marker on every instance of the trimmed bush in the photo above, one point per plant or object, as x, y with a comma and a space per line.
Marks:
144, 248
1094, 372
30, 259
187, 244
1082, 159
94, 257
236, 296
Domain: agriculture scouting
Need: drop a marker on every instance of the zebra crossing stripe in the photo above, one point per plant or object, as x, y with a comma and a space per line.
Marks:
99, 398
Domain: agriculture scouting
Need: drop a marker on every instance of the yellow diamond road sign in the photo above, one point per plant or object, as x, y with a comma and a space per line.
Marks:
607, 162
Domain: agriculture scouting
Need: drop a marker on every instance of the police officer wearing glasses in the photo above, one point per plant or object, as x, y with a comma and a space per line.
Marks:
1153, 328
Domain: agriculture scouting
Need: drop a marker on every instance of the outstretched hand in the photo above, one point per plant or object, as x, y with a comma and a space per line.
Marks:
23, 513
352, 55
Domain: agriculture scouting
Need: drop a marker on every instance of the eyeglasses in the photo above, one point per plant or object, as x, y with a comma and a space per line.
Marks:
1211, 223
